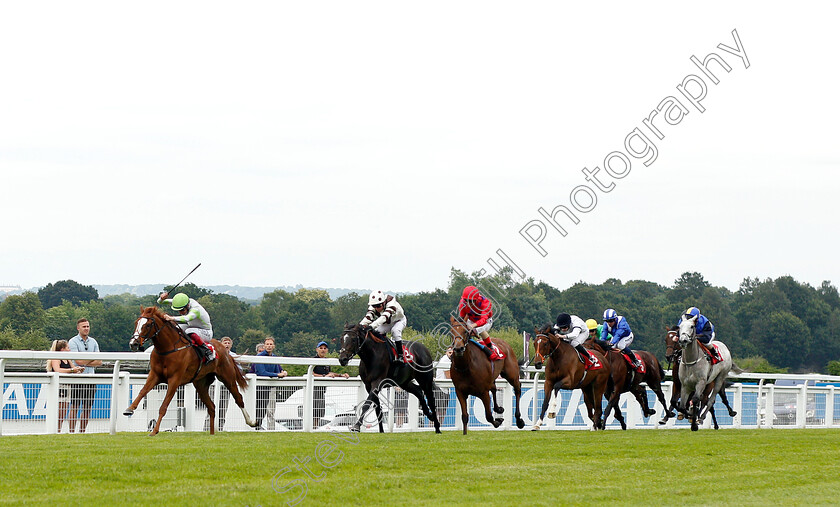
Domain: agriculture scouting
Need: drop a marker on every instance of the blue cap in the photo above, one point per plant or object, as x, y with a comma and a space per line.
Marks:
321, 343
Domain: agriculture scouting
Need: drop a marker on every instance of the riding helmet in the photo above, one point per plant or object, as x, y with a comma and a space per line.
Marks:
470, 293
592, 324
610, 314
564, 320
376, 297
180, 301
692, 312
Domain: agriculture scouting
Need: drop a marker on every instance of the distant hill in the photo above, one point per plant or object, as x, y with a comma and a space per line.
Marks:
244, 293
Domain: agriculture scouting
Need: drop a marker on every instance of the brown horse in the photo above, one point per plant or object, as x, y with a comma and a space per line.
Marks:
673, 354
474, 374
625, 379
175, 362
564, 370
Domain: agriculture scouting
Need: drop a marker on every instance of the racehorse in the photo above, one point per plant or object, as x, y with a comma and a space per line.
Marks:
378, 371
564, 370
625, 379
474, 374
175, 361
696, 373
673, 353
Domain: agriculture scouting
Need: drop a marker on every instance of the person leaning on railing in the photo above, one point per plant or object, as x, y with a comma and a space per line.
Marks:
82, 395
62, 366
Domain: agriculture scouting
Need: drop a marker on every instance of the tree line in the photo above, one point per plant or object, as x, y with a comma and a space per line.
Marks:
770, 325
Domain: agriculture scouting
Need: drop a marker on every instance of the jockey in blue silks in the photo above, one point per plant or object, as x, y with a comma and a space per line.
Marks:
622, 336
704, 328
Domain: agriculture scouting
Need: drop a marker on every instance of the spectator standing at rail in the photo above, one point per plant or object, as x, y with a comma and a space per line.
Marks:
266, 394
224, 394
318, 400
62, 366
82, 395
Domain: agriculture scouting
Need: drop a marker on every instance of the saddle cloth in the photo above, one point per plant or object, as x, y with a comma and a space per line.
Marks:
641, 368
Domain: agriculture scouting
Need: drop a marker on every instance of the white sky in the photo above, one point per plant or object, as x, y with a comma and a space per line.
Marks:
378, 144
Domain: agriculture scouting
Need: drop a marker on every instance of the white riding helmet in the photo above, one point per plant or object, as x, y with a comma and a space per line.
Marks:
376, 297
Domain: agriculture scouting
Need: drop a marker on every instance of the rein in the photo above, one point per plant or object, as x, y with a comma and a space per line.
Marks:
553, 347
158, 329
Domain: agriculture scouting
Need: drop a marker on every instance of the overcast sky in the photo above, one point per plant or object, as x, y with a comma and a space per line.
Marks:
378, 144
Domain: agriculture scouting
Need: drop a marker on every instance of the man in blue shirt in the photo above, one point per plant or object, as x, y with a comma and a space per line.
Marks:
274, 371
82, 395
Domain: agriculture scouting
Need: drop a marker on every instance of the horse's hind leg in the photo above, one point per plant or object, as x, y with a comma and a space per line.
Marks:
201, 388
488, 414
641, 396
496, 407
429, 412
725, 401
151, 381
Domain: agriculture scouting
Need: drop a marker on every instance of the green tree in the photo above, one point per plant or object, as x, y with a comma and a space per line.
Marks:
69, 290
689, 285
22, 313
783, 338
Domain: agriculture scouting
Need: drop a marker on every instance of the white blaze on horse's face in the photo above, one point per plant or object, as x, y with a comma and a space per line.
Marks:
140, 323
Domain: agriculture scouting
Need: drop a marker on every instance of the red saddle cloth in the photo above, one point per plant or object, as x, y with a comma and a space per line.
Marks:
641, 368
408, 357
714, 359
593, 364
497, 353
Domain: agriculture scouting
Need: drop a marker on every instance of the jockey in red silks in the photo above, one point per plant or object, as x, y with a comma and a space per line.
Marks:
477, 310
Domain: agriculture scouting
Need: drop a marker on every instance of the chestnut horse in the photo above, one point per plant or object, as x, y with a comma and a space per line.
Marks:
564, 370
625, 379
378, 371
175, 362
474, 374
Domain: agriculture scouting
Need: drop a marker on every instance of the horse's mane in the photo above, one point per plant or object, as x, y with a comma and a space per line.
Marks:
152, 311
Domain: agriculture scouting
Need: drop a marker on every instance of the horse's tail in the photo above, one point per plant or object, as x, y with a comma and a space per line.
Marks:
661, 371
241, 381
735, 369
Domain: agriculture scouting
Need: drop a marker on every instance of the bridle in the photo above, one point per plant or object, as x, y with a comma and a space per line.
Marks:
539, 358
157, 330
672, 344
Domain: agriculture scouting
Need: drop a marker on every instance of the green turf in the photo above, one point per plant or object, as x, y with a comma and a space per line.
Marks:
642, 467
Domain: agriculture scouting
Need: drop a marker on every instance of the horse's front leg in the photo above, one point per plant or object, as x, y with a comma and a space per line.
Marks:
465, 413
371, 400
170, 393
548, 389
151, 381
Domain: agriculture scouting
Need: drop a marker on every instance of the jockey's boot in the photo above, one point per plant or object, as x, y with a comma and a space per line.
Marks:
400, 358
206, 351
583, 352
632, 356
714, 352
487, 350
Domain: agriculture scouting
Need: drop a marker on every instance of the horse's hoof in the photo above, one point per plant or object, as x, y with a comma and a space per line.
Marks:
694, 428
552, 415
355, 429
535, 428
664, 421
732, 413
650, 413
670, 414
520, 423
499, 410
128, 412
497, 422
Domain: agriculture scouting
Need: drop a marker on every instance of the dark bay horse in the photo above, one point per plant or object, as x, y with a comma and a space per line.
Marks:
474, 374
563, 370
625, 379
175, 362
378, 371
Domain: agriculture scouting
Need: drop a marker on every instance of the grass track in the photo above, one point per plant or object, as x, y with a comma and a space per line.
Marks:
643, 467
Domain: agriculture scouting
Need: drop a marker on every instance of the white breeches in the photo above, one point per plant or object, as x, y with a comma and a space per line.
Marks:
395, 328
205, 334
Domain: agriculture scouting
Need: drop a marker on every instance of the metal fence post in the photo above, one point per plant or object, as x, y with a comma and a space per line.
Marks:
829, 407
308, 399
115, 383
52, 403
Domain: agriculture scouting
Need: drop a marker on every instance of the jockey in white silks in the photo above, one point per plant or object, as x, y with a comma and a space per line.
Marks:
574, 330
385, 315
193, 320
